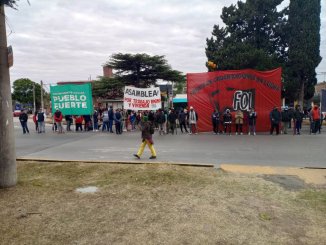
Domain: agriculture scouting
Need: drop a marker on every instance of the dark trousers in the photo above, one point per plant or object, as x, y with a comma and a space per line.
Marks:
238, 128
316, 126
276, 126
298, 126
215, 126
24, 126
183, 124
68, 125
227, 127
118, 127
110, 126
172, 127
79, 126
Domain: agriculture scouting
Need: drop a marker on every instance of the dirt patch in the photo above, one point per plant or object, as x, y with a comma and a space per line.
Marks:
289, 182
155, 204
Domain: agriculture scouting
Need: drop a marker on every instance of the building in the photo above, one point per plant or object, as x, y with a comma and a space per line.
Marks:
319, 87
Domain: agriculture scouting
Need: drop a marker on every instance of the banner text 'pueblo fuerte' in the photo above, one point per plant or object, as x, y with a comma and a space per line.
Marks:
72, 99
142, 99
69, 101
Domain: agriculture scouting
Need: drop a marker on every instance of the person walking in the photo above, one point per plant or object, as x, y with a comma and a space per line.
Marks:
252, 121
215, 121
275, 117
193, 119
286, 120
58, 120
23, 118
227, 121
147, 130
238, 122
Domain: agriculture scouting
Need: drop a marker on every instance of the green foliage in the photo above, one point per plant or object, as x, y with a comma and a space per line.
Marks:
23, 92
108, 88
252, 37
304, 43
10, 3
142, 70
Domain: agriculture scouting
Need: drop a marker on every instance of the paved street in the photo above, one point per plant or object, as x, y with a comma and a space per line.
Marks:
283, 150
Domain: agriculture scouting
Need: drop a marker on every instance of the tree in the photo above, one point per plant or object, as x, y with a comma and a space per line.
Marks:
23, 92
108, 88
304, 53
252, 36
142, 70
8, 169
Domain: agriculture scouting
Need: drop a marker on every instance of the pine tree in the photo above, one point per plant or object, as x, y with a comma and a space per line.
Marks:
304, 43
251, 38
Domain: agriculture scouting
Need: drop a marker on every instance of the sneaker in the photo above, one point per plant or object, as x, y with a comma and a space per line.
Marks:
254, 133
190, 133
249, 133
135, 155
152, 157
196, 133
236, 133
241, 133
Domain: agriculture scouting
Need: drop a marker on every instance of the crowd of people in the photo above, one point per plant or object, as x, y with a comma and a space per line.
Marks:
169, 121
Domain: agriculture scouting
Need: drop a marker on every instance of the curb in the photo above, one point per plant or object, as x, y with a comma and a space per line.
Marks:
45, 160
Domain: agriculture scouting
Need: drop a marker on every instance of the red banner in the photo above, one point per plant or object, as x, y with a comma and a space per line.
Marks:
234, 89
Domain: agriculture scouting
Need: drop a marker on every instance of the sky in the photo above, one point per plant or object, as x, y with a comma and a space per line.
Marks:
70, 40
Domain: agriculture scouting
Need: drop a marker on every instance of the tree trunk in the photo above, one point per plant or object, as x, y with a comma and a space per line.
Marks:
301, 95
8, 174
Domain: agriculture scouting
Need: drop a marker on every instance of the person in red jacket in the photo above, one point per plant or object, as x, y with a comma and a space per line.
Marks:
79, 122
58, 120
315, 116
35, 121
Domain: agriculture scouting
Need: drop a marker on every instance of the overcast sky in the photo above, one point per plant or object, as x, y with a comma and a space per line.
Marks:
70, 40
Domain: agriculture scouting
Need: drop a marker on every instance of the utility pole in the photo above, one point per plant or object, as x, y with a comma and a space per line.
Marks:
8, 169
42, 102
34, 104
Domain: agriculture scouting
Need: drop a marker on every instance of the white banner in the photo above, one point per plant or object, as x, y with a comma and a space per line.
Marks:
142, 98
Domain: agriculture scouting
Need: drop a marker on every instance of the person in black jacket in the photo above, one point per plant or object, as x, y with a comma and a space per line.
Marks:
275, 117
182, 117
69, 121
215, 121
297, 116
23, 118
172, 117
286, 120
160, 118
227, 121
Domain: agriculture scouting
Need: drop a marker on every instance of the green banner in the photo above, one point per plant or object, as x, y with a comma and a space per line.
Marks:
72, 99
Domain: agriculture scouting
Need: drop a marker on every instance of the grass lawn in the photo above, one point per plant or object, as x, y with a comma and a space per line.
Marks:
155, 204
